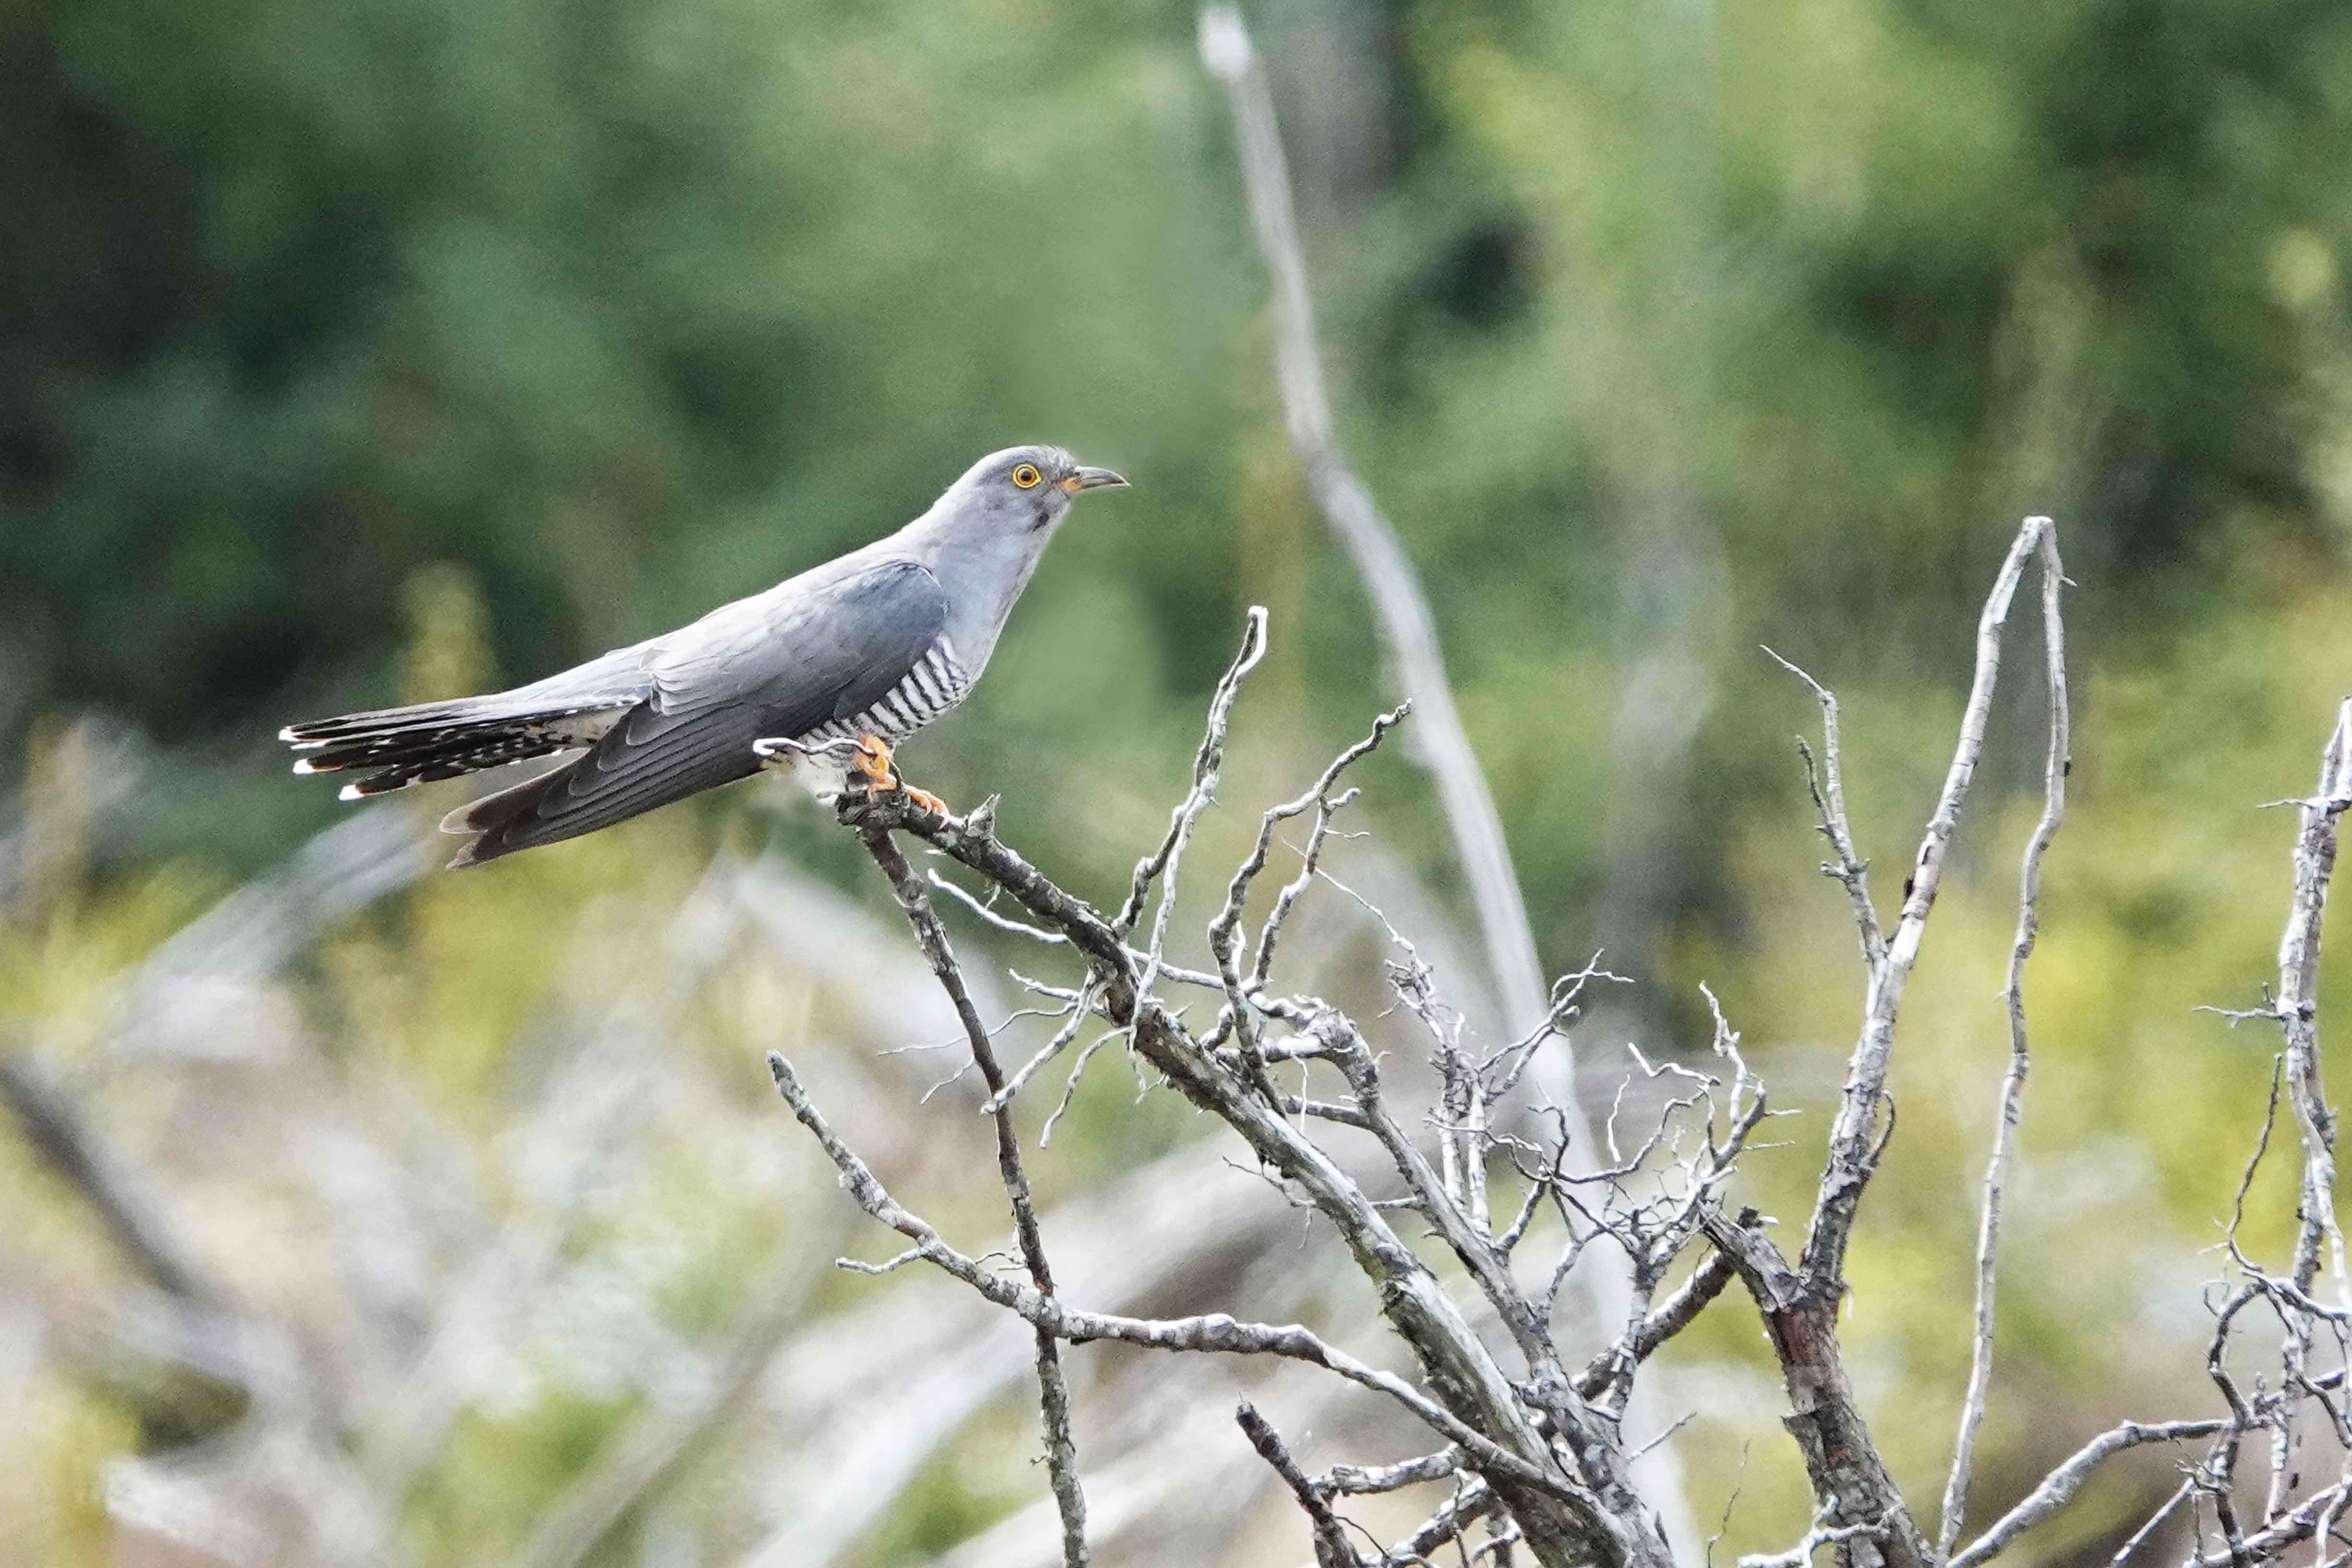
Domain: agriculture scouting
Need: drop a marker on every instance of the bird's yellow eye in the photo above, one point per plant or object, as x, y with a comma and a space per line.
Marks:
1027, 476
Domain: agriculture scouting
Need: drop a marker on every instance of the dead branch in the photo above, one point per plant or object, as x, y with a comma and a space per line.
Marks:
1406, 624
1669, 1318
1827, 786
1471, 1401
1800, 1302
1053, 1389
50, 1123
2058, 762
1214, 1333
1537, 1450
1853, 1137
2058, 1488
1332, 1547
1352, 1481
1821, 1534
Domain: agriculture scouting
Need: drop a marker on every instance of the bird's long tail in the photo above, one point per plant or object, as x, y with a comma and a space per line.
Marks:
392, 748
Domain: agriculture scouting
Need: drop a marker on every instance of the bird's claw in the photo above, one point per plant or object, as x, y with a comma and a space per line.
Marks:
874, 760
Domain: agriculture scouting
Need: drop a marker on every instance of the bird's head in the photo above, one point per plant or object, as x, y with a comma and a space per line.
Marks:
1022, 488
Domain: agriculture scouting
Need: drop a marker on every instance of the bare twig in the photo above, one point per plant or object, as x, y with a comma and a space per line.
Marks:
1245, 993
1332, 1547
1469, 1502
1354, 1481
1851, 1485
1053, 1391
1225, 929
1828, 788
1082, 1007
1213, 1333
877, 1393
1208, 766
1669, 1318
2154, 1522
2056, 764
1853, 1136
2059, 1487
1821, 1534
2298, 1523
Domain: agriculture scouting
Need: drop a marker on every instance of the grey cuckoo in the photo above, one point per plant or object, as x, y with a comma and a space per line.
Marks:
825, 672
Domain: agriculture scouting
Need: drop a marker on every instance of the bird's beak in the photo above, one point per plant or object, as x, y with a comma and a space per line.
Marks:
1091, 479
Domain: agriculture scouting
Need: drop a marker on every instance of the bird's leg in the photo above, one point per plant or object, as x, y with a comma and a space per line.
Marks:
873, 761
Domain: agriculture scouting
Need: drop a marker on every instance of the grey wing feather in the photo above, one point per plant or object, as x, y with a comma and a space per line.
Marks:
781, 664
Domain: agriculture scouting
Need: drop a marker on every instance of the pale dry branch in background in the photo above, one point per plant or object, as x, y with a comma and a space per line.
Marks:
1406, 625
1409, 632
651, 1450
131, 1217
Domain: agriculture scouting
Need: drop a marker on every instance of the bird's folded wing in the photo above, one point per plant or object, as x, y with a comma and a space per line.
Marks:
781, 664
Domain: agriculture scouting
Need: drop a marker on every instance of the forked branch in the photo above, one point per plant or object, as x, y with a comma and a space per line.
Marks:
1533, 1449
1053, 1389
2057, 763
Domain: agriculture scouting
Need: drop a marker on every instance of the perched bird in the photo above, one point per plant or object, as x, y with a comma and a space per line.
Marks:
825, 672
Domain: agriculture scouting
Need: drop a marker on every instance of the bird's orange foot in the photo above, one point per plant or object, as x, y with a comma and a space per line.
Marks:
874, 760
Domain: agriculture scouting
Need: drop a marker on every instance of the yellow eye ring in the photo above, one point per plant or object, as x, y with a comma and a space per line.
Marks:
1027, 476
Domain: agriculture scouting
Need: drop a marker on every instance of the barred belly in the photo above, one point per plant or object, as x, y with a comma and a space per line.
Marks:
934, 686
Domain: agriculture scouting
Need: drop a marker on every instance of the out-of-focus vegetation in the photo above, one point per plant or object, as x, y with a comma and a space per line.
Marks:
357, 351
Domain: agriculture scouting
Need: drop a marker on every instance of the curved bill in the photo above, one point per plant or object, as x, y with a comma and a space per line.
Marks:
1091, 479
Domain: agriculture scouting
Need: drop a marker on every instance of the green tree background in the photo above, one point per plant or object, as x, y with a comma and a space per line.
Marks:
361, 351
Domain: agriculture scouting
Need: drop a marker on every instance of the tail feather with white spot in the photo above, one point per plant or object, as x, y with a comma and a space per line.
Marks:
397, 747
392, 748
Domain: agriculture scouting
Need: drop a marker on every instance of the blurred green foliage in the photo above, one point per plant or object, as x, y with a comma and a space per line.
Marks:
1659, 331
630, 310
